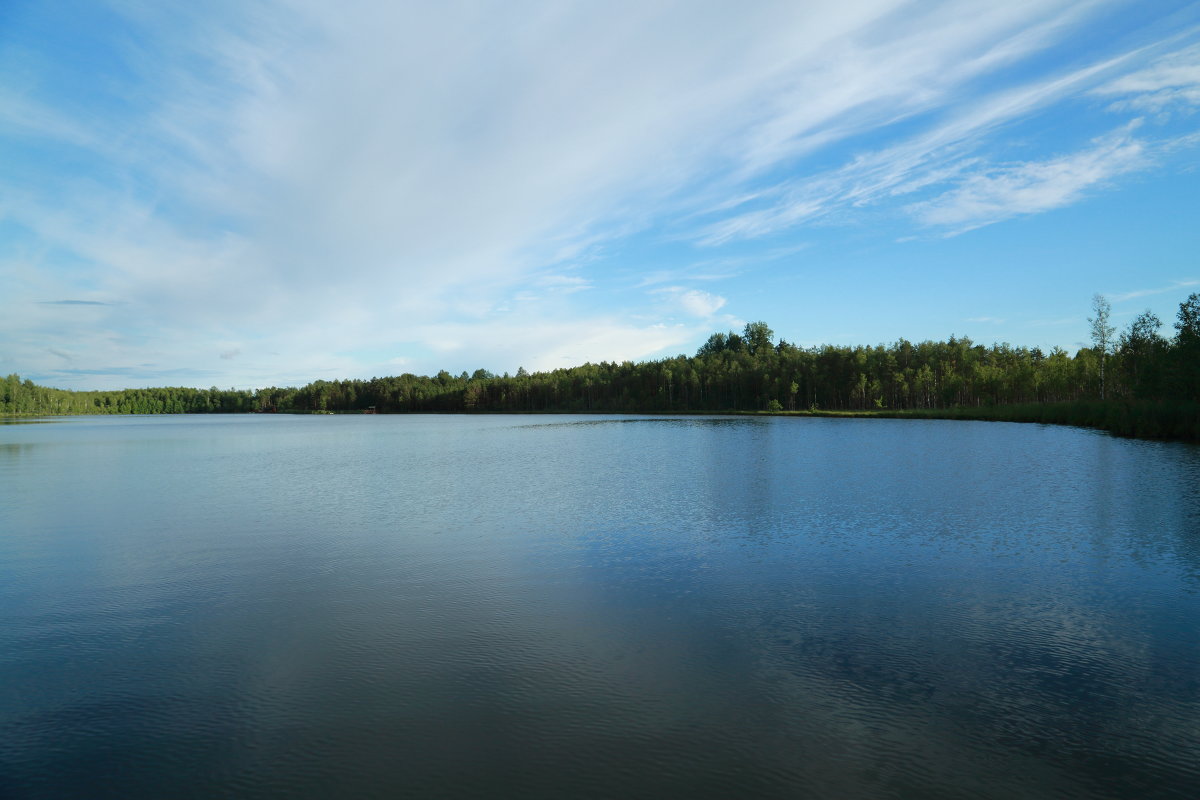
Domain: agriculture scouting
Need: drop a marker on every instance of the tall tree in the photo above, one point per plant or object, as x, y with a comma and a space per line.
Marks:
1188, 323
1187, 347
715, 344
1102, 332
1141, 349
758, 336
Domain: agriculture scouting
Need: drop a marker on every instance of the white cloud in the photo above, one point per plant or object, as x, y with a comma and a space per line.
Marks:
657, 277
694, 302
563, 284
1041, 323
701, 304
928, 158
547, 344
296, 184
901, 64
22, 116
1175, 286
1171, 80
989, 196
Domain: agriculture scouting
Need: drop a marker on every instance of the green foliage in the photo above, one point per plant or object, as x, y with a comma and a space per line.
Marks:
1185, 356
758, 336
17, 397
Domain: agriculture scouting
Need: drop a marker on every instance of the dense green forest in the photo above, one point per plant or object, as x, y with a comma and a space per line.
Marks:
1138, 383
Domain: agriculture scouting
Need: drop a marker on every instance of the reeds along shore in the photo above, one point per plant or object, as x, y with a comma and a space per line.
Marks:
1139, 419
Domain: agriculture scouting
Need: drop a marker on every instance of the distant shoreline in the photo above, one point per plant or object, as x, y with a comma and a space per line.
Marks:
1139, 384
1153, 421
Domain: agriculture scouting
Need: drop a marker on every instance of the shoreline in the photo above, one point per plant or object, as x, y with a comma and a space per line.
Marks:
1127, 419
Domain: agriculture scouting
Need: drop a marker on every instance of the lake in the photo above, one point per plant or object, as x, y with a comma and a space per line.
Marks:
590, 606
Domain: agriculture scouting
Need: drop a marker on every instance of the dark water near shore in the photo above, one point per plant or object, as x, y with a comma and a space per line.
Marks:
596, 607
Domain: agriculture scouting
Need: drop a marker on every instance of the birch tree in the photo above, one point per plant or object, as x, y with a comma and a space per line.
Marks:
1102, 332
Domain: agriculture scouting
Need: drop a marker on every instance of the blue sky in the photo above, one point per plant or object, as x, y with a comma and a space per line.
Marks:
269, 192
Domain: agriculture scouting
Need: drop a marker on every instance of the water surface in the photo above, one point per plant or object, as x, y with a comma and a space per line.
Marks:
531, 606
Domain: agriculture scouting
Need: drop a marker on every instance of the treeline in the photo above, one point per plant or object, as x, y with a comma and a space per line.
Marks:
26, 397
1139, 382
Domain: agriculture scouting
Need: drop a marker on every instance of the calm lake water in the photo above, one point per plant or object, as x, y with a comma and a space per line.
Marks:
609, 607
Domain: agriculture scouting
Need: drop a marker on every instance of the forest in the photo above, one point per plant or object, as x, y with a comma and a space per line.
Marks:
1136, 383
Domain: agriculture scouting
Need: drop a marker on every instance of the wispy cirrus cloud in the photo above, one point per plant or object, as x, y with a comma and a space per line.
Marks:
940, 154
896, 68
1042, 323
1170, 81
1173, 287
991, 196
563, 284
952, 152
719, 270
